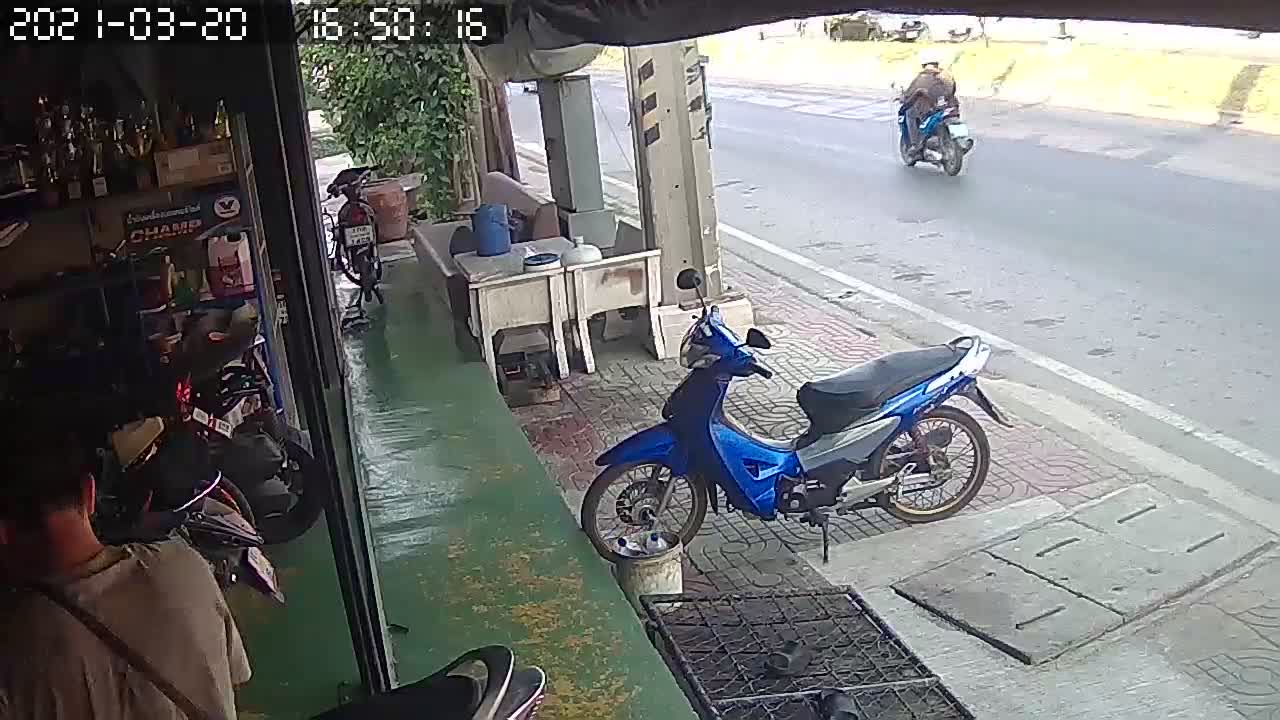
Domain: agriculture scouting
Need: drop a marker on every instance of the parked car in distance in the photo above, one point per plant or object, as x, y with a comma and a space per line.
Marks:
871, 25
859, 26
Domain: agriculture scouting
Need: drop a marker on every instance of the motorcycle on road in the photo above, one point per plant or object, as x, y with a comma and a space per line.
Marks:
879, 436
946, 137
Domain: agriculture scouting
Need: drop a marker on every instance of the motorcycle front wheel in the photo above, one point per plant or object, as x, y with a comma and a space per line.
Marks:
627, 498
904, 151
302, 476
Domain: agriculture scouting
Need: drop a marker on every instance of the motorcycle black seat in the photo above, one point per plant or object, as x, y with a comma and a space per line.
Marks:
448, 698
201, 357
346, 177
471, 687
836, 401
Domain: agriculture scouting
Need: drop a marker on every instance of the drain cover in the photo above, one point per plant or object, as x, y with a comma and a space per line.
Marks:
1026, 616
1061, 585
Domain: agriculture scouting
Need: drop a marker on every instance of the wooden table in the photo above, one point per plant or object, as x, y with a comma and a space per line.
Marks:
504, 296
623, 281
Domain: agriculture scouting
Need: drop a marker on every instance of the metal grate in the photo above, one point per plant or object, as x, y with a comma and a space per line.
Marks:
721, 646
911, 702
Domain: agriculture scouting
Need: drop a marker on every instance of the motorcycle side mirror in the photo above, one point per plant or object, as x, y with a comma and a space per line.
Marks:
689, 279
756, 339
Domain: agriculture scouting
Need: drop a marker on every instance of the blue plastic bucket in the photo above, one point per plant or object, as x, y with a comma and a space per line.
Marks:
493, 235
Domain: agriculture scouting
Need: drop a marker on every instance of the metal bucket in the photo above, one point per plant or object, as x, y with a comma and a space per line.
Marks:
657, 574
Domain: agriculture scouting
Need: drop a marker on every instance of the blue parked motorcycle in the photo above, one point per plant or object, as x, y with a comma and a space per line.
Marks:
947, 138
879, 436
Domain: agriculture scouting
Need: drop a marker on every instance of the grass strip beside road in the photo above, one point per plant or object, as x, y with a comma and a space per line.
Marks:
1178, 86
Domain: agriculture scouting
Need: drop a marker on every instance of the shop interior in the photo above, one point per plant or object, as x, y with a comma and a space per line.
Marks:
153, 286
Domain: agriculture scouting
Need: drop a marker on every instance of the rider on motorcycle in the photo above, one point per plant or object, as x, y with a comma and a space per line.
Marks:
921, 96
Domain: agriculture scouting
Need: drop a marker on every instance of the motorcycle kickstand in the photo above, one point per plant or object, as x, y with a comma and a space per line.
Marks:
822, 520
826, 540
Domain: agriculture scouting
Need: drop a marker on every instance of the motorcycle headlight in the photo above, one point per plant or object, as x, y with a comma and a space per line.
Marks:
694, 354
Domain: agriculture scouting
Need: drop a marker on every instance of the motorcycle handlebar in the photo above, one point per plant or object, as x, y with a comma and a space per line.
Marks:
761, 370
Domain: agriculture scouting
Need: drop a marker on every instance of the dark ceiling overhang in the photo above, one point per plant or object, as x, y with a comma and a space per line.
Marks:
559, 23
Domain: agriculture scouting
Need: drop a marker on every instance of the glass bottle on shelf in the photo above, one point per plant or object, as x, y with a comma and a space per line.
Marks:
47, 152
70, 155
188, 133
94, 151
120, 177
221, 123
141, 145
50, 178
165, 126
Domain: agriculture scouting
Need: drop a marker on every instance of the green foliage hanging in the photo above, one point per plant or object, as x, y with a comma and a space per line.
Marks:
401, 106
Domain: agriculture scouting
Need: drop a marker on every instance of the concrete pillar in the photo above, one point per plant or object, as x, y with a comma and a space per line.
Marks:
669, 126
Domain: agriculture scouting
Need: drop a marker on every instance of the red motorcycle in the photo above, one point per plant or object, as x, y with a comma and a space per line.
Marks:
355, 241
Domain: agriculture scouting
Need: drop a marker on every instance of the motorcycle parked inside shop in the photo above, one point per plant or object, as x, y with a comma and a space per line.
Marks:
354, 244
220, 380
483, 684
157, 481
879, 436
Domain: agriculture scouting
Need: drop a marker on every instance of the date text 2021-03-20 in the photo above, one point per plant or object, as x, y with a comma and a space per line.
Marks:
391, 22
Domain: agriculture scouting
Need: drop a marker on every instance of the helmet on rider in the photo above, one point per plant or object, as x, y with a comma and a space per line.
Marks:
930, 56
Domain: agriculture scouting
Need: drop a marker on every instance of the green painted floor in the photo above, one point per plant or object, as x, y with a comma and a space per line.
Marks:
300, 652
473, 541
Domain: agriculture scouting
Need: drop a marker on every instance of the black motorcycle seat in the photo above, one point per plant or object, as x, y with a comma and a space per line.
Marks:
201, 357
448, 698
346, 177
834, 402
525, 687
454, 692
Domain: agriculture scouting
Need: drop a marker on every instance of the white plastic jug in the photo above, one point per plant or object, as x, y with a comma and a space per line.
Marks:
230, 265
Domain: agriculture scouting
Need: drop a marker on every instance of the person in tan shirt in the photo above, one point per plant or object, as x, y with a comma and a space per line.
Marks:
929, 86
160, 599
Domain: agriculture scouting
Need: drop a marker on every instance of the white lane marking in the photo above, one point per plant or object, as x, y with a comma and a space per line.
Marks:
1151, 409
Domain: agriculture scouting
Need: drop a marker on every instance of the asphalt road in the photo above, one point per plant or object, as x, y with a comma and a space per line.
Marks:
1143, 253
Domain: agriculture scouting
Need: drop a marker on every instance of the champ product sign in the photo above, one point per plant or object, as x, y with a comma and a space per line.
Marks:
199, 216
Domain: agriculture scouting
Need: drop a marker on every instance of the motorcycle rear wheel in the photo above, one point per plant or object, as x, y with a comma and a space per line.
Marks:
976, 477
616, 475
952, 155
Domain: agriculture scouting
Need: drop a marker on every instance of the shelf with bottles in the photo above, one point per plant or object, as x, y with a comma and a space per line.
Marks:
28, 208
77, 160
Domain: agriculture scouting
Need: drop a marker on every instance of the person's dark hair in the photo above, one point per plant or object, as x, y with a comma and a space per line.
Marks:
42, 469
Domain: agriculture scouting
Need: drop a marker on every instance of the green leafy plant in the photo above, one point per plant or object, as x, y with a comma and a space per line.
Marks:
401, 106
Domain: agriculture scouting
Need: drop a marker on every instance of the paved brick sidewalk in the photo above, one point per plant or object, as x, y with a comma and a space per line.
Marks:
811, 337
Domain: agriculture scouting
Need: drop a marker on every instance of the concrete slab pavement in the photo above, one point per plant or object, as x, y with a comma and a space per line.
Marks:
1112, 680
1213, 651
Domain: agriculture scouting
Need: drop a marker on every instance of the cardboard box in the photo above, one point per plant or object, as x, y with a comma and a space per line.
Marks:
194, 163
